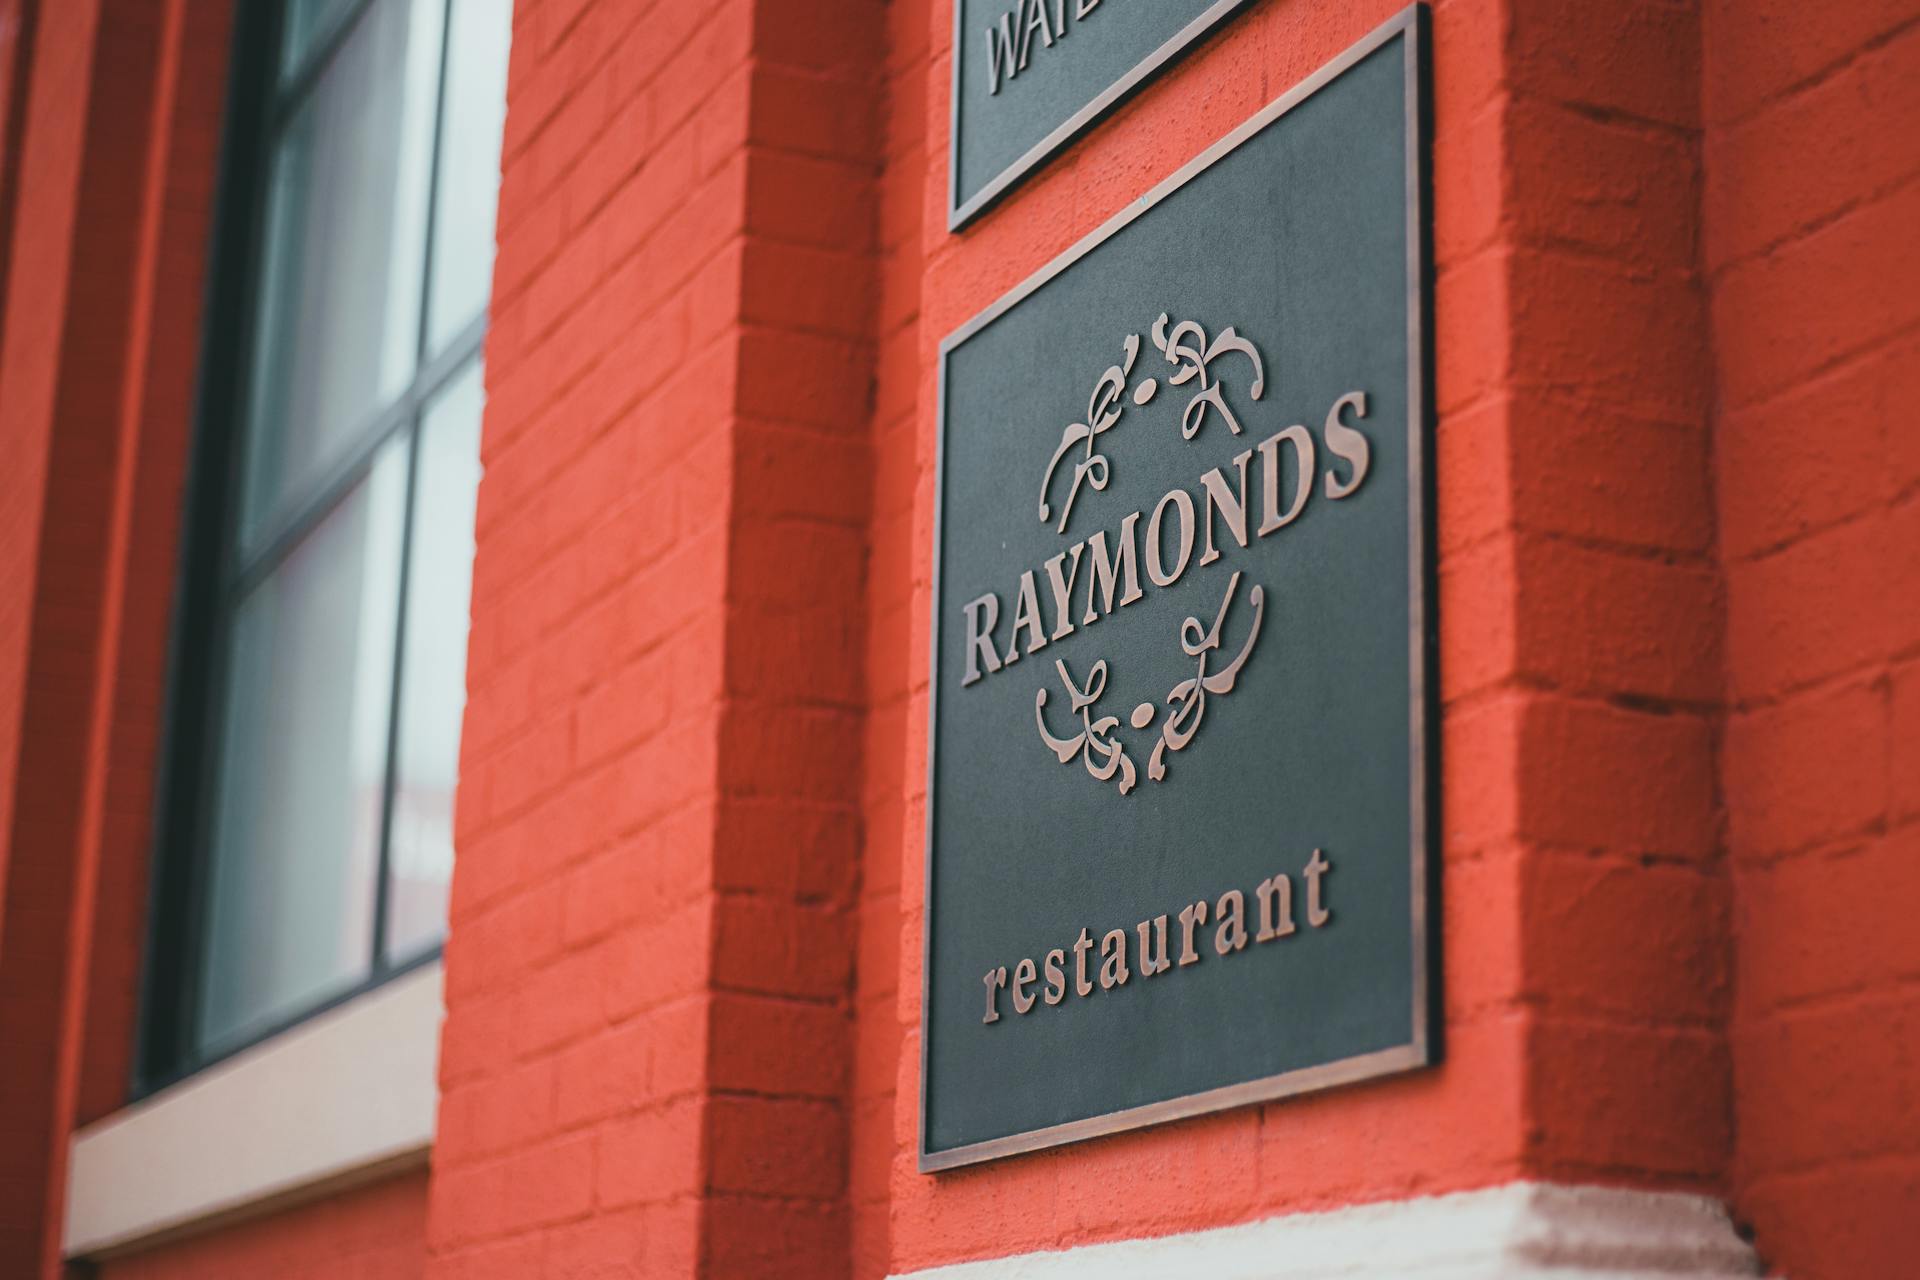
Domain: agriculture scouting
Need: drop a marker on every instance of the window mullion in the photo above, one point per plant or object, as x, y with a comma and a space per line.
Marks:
246, 571
293, 89
390, 780
422, 390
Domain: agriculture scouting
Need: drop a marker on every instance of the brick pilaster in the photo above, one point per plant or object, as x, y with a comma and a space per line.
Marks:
645, 1060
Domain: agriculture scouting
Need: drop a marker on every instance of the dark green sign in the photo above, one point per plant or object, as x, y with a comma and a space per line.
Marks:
1182, 773
1030, 75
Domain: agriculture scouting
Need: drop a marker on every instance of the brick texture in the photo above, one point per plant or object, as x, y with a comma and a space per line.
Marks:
369, 1233
96, 389
1809, 199
647, 1058
898, 531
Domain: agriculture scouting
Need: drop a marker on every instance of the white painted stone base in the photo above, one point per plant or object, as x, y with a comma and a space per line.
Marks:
1522, 1231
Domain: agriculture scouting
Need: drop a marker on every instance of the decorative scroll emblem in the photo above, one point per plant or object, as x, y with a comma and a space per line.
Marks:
1103, 411
1095, 744
1186, 347
1093, 741
1189, 698
1194, 358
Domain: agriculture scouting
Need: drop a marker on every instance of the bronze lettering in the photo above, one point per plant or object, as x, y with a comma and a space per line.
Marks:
1231, 912
1010, 39
1034, 16
1221, 500
995, 979
1023, 976
1026, 616
1228, 914
1150, 963
1302, 443
1191, 916
1105, 574
1113, 580
1317, 914
982, 615
1113, 955
1000, 53
1056, 977
1062, 589
1156, 569
1347, 444
1276, 907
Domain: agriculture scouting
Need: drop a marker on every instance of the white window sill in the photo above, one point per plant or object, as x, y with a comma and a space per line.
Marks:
343, 1097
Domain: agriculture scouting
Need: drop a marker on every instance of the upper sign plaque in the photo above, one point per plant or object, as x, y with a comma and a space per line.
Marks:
1180, 773
1028, 75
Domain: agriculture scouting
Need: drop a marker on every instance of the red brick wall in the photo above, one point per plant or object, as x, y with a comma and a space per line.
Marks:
1811, 200
368, 1233
108, 231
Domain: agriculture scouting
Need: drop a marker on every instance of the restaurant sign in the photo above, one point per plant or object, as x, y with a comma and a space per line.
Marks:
1181, 774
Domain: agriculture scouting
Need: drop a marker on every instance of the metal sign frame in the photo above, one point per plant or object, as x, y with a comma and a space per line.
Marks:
1410, 26
960, 213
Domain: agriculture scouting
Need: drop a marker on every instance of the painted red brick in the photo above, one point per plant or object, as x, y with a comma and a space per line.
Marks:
1861, 459
1809, 770
371, 1233
1619, 940
1656, 1106
1760, 51
1630, 781
1604, 623
106, 178
1851, 910
1679, 521
1829, 1084
1814, 304
1850, 1219
1825, 605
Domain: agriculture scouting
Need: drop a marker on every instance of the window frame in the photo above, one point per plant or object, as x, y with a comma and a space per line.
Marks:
212, 576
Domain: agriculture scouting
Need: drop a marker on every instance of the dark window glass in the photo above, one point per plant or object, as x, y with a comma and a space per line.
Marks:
321, 675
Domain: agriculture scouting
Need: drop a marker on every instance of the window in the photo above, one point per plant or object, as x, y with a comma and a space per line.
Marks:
319, 657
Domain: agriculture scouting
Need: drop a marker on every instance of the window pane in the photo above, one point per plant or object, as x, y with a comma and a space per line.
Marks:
433, 685
469, 164
295, 846
339, 312
306, 21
